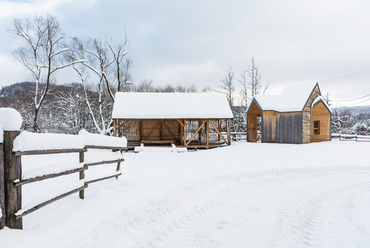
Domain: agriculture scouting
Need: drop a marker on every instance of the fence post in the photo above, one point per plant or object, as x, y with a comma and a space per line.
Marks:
12, 171
82, 174
2, 190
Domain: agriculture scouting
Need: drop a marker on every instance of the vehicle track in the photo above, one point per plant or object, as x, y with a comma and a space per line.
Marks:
302, 207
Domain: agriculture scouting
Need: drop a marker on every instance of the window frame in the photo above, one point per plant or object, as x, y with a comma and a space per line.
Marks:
316, 130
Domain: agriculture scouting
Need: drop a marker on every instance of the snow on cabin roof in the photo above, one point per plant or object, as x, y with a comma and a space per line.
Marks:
145, 105
293, 98
322, 99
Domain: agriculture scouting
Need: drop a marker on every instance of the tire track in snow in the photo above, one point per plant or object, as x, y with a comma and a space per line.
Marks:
182, 218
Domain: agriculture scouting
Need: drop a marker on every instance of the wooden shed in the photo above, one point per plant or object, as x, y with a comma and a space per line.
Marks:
298, 116
187, 119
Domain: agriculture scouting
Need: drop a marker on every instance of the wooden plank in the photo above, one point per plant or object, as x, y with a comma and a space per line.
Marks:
228, 132
219, 133
158, 141
151, 131
105, 162
2, 189
195, 133
50, 201
185, 132
51, 151
104, 178
40, 178
180, 122
106, 147
82, 174
207, 133
168, 130
12, 172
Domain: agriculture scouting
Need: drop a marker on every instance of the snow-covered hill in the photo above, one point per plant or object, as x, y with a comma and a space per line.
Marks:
245, 195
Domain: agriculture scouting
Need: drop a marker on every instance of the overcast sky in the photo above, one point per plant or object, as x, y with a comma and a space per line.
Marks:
195, 42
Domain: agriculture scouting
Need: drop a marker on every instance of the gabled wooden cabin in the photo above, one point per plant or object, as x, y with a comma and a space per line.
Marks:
187, 119
298, 116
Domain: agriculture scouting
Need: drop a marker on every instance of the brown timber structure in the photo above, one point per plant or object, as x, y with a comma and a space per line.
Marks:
310, 123
191, 120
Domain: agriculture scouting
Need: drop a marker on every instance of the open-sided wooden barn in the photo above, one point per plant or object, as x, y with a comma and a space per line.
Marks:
299, 115
187, 119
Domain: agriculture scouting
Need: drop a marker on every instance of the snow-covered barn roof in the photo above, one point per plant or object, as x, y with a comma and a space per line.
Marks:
293, 98
138, 105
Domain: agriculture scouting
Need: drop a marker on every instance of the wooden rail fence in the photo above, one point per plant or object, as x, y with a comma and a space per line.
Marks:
350, 137
11, 179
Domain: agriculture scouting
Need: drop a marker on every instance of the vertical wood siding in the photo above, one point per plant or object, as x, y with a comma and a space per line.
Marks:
322, 114
289, 128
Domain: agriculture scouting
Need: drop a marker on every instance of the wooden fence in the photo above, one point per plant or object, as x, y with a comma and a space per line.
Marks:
349, 137
11, 180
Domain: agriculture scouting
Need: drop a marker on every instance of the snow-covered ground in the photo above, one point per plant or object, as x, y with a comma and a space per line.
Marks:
245, 195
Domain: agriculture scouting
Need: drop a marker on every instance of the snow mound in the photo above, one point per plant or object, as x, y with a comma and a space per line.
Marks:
10, 119
27, 141
102, 140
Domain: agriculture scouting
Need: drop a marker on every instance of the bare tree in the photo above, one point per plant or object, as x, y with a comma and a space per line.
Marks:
42, 55
192, 89
243, 88
228, 86
122, 72
145, 86
256, 79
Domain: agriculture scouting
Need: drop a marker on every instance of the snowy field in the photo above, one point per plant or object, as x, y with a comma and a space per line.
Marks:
245, 195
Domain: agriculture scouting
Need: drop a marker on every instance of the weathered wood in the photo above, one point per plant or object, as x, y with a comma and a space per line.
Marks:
118, 168
207, 133
51, 151
185, 133
152, 130
40, 178
106, 147
196, 132
105, 162
104, 178
181, 124
219, 133
2, 189
228, 132
158, 141
50, 201
320, 113
12, 172
81, 159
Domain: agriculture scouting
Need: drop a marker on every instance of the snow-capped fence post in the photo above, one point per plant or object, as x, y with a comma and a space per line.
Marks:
12, 172
2, 190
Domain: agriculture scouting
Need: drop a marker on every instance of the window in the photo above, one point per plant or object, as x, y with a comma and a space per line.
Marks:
316, 127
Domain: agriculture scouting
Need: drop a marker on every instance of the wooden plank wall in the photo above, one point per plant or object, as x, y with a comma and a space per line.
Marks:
268, 130
322, 114
2, 189
253, 113
289, 128
306, 117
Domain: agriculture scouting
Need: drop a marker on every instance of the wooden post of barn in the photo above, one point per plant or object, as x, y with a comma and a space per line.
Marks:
82, 174
229, 131
12, 172
207, 133
2, 190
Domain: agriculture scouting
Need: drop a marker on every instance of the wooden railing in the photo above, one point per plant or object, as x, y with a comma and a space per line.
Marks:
353, 137
13, 179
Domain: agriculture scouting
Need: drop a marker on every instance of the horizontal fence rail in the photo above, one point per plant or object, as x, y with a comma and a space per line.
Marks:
13, 178
350, 137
